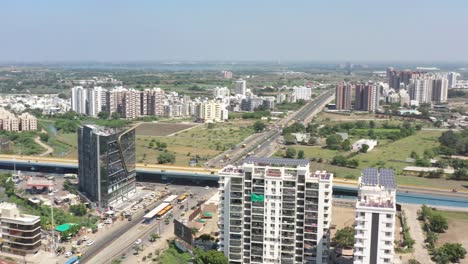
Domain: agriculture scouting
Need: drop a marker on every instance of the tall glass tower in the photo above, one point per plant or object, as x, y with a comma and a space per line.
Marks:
106, 164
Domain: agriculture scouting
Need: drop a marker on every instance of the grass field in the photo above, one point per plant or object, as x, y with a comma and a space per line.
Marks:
161, 129
458, 224
201, 141
314, 152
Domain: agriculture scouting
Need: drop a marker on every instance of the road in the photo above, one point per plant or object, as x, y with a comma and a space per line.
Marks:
420, 252
122, 240
265, 143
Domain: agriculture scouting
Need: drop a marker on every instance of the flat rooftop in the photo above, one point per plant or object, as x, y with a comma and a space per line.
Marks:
277, 161
379, 177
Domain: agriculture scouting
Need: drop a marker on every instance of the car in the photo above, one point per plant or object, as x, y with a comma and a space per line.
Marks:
90, 243
85, 238
68, 254
138, 242
207, 187
79, 242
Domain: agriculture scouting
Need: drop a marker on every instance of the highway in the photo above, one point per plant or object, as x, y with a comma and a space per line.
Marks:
265, 143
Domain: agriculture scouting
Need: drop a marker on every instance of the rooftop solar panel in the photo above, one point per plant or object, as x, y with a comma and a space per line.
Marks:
384, 177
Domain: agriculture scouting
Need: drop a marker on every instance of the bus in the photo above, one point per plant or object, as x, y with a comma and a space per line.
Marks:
73, 260
182, 198
164, 211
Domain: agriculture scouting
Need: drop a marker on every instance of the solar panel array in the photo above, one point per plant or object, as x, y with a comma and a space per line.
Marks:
384, 177
277, 161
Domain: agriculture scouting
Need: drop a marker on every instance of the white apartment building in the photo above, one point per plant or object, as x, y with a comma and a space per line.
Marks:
87, 101
212, 111
275, 210
21, 233
302, 93
241, 87
375, 217
79, 96
420, 90
452, 79
221, 92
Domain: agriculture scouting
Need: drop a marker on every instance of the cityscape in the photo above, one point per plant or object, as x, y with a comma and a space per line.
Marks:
207, 132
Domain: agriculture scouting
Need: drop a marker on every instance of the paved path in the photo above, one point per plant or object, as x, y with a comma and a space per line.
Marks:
48, 148
420, 252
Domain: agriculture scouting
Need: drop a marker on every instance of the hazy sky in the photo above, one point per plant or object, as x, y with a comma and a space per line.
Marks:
310, 30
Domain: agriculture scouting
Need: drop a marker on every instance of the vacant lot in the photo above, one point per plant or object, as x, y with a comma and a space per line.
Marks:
202, 142
458, 224
161, 129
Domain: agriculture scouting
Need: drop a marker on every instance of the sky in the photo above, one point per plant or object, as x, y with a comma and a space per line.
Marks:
236, 30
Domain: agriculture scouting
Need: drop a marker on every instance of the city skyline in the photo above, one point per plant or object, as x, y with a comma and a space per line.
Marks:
148, 31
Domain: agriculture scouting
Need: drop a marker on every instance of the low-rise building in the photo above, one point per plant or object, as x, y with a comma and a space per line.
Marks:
21, 233
357, 146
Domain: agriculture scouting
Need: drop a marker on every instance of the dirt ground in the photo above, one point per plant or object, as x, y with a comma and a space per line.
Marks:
457, 232
161, 129
342, 216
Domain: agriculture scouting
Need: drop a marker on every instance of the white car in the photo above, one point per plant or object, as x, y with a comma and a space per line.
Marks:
207, 187
138, 242
85, 238
90, 243
68, 254
108, 221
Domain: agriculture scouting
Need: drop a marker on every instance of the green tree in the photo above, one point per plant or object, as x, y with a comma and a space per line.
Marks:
346, 145
414, 155
154, 237
289, 139
290, 153
78, 209
62, 96
339, 160
413, 261
453, 252
344, 237
211, 125
44, 137
115, 115
364, 148
166, 157
333, 142
210, 257
300, 154
438, 223
259, 126
372, 124
103, 115
151, 144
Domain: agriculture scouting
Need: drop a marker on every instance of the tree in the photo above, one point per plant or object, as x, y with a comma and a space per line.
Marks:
339, 160
334, 142
78, 209
300, 154
372, 124
312, 140
452, 252
166, 157
62, 96
413, 261
154, 237
346, 145
115, 115
344, 237
290, 153
211, 257
151, 144
364, 148
438, 223
414, 155
259, 126
289, 139
211, 125
44, 137
103, 115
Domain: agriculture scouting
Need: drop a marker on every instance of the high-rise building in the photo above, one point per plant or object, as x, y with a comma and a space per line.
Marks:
440, 90
241, 87
152, 102
221, 92
275, 210
106, 164
375, 217
420, 90
79, 97
131, 104
452, 79
21, 233
227, 74
302, 93
212, 111
367, 97
397, 78
343, 96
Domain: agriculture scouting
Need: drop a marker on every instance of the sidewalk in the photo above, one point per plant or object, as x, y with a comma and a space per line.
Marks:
420, 252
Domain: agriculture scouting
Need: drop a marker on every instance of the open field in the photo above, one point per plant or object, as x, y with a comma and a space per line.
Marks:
314, 152
200, 142
161, 129
392, 152
330, 118
458, 224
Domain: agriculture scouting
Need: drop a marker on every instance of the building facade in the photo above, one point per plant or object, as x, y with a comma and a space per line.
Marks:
366, 97
275, 210
21, 233
375, 217
106, 164
241, 87
302, 93
440, 90
343, 96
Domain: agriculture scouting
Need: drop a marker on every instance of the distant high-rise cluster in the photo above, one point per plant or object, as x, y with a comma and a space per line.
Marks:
11, 122
227, 74
131, 103
366, 96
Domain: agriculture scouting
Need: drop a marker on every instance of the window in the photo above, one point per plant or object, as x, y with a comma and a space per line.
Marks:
388, 225
386, 260
389, 216
387, 251
388, 233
